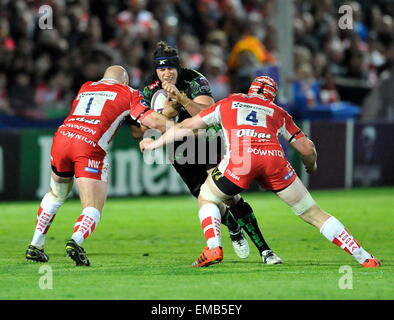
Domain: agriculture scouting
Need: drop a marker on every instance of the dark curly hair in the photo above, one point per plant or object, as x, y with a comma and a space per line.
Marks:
164, 50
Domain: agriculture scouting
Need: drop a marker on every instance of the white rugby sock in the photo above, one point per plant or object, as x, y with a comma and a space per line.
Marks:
46, 213
210, 218
336, 232
85, 224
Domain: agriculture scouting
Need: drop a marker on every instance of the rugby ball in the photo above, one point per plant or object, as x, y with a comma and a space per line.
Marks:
159, 100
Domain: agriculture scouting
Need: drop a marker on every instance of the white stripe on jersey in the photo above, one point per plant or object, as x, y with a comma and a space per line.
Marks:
282, 131
106, 137
105, 168
213, 117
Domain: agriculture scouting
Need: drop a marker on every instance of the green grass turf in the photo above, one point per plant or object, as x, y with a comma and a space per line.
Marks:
143, 247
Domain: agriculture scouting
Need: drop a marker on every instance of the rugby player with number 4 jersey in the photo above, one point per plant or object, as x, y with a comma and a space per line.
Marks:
189, 92
252, 124
79, 150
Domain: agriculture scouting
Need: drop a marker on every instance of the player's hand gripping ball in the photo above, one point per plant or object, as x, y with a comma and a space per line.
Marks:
162, 103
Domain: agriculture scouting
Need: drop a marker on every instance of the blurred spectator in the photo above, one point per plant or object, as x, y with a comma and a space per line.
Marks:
22, 96
249, 44
189, 48
5, 105
231, 41
306, 90
379, 105
52, 95
215, 71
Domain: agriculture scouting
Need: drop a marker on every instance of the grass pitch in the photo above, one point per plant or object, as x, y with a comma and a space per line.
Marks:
143, 248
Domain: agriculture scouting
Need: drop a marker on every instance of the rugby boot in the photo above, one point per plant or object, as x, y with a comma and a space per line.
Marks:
208, 257
77, 253
35, 254
371, 263
270, 257
240, 244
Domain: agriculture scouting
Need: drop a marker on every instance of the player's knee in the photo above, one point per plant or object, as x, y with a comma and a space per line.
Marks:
206, 194
222, 208
60, 191
241, 209
233, 201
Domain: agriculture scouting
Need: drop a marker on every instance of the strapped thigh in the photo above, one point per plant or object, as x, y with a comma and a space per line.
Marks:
215, 191
297, 197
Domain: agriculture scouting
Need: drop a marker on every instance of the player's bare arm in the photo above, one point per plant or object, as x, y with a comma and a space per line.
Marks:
169, 111
157, 121
192, 106
308, 153
175, 133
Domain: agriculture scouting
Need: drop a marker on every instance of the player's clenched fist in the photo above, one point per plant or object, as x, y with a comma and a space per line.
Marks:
175, 94
171, 89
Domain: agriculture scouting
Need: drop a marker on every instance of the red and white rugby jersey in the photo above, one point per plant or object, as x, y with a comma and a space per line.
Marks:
100, 107
250, 120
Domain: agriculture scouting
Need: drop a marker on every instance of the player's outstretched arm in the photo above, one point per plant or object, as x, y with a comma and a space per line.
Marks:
177, 132
157, 121
308, 153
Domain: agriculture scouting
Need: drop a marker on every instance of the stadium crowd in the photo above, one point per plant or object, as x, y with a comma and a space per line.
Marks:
229, 41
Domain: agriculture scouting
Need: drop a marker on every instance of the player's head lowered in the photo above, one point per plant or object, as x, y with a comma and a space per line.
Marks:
264, 86
166, 62
117, 73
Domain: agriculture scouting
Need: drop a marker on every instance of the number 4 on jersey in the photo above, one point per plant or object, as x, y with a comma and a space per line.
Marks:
252, 114
252, 117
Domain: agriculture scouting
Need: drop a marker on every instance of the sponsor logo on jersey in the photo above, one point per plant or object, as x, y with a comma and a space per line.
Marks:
154, 85
144, 103
269, 153
289, 175
92, 170
94, 163
253, 133
73, 135
266, 110
105, 94
232, 175
81, 119
216, 174
80, 128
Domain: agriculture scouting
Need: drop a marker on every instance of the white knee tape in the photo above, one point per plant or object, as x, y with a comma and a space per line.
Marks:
207, 194
304, 204
61, 190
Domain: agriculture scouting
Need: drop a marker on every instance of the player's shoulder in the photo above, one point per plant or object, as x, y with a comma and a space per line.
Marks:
190, 74
151, 83
276, 107
236, 97
105, 84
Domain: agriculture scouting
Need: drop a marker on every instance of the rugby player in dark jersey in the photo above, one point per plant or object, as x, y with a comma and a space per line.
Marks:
190, 93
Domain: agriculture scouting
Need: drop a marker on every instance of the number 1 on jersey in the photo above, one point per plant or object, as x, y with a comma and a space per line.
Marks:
92, 103
89, 105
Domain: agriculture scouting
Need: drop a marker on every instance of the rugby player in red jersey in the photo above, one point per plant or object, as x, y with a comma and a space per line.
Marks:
80, 149
252, 124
